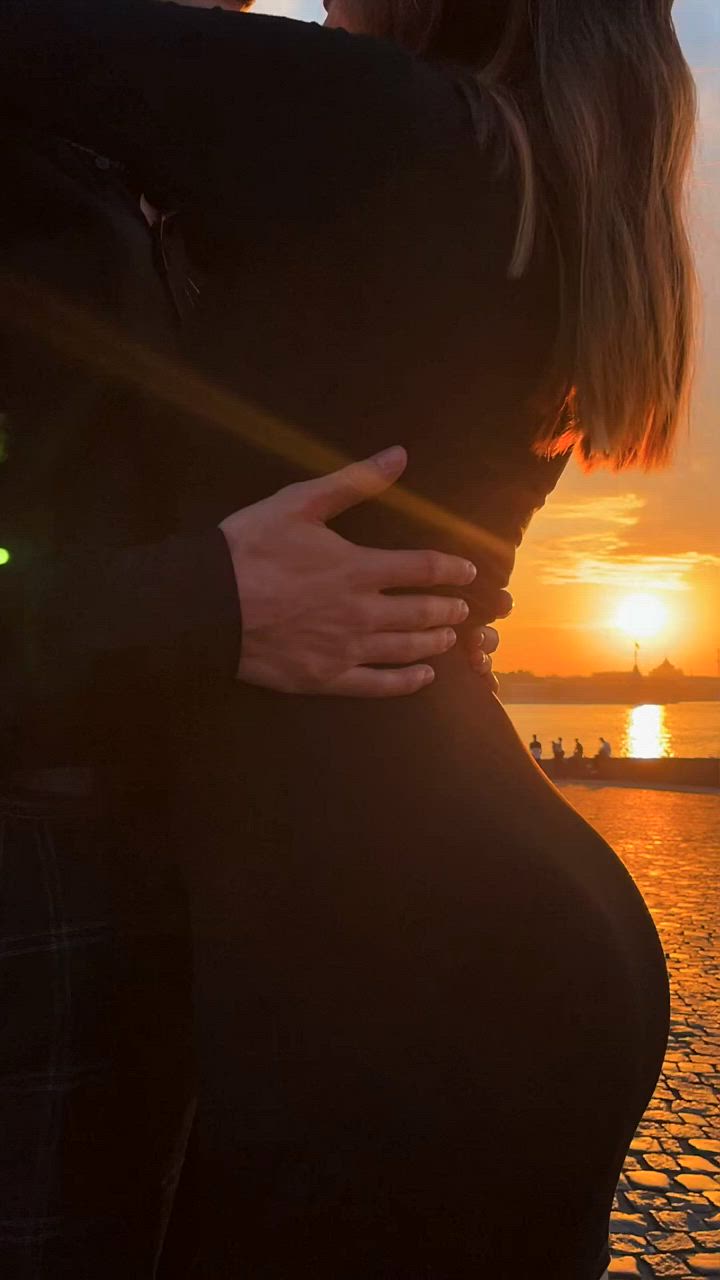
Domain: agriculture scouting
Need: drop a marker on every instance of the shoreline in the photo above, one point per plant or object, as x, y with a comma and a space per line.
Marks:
598, 784
666, 773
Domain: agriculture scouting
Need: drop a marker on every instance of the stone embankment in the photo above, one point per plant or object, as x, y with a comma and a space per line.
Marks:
672, 773
667, 1208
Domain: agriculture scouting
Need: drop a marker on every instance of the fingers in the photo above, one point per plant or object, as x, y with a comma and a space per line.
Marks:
327, 497
490, 604
379, 570
480, 643
480, 662
404, 646
505, 604
364, 682
412, 613
486, 639
494, 604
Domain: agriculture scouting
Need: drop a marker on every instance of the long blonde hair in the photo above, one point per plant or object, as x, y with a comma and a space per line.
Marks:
599, 105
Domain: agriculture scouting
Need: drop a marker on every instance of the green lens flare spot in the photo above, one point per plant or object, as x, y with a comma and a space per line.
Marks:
4, 555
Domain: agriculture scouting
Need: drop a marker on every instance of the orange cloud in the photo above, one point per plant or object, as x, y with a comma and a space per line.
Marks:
614, 509
606, 561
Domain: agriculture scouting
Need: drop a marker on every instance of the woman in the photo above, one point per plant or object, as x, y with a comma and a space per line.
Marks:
429, 1023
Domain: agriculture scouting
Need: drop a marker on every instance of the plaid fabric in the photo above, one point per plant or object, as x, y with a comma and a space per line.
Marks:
96, 1089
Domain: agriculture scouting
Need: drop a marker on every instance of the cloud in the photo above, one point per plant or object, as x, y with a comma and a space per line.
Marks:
615, 509
608, 562
597, 550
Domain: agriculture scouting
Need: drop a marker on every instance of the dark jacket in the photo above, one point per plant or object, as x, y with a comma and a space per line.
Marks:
418, 967
315, 309
106, 602
355, 234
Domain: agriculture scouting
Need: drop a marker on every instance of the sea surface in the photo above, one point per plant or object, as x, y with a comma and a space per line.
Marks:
690, 729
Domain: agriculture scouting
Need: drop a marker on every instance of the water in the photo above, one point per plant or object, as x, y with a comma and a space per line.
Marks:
676, 729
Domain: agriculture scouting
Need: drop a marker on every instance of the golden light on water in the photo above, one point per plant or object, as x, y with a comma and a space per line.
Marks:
641, 616
646, 733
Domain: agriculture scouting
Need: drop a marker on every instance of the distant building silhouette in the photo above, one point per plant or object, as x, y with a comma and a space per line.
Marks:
666, 683
666, 671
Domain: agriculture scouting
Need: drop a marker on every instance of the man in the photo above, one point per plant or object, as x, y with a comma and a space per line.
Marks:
535, 748
113, 610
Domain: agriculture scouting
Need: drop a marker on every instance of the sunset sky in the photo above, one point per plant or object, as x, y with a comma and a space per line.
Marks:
604, 538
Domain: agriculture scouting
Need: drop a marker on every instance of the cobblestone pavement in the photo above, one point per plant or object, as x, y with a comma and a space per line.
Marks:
667, 1208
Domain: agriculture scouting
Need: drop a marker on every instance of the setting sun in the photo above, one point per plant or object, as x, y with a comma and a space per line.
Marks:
641, 615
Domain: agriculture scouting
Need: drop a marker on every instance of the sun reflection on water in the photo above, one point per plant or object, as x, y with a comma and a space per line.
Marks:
646, 733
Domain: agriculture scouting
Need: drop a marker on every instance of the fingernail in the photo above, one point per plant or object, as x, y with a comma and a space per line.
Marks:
450, 638
391, 461
463, 610
471, 571
428, 675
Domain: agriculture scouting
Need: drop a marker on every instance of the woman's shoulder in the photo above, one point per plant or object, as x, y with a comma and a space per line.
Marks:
368, 86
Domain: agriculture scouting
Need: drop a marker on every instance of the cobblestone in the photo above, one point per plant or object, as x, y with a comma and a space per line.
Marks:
666, 1220
672, 1221
675, 1242
705, 1264
624, 1267
649, 1179
664, 1265
661, 1161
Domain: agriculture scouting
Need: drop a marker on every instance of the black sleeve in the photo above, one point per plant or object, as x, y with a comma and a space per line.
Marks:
176, 600
172, 607
193, 99
82, 579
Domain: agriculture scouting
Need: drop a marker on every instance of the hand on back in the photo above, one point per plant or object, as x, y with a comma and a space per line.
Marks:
315, 616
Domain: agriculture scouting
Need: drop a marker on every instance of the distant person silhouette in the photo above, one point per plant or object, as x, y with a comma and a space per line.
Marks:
604, 750
579, 751
535, 748
558, 750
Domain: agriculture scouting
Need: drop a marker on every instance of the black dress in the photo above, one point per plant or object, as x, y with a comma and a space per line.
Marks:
432, 1004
